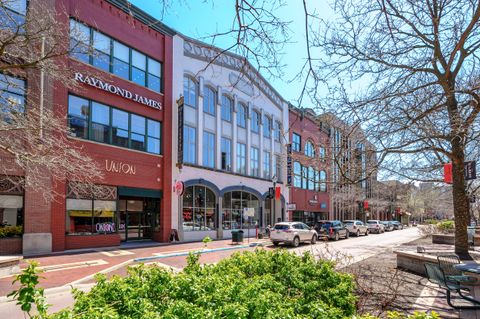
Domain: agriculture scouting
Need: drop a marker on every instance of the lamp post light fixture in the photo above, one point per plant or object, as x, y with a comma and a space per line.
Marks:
274, 181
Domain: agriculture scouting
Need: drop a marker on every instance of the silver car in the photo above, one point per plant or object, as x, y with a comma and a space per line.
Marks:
356, 227
292, 233
375, 226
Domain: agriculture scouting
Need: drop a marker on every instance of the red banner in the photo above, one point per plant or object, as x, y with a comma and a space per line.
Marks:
447, 173
277, 192
365, 204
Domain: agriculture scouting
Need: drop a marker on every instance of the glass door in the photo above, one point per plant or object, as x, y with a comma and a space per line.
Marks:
138, 217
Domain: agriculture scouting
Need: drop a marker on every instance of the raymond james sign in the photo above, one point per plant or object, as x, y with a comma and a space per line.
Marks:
99, 84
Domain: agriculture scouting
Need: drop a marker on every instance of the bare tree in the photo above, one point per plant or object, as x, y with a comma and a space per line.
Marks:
413, 65
34, 146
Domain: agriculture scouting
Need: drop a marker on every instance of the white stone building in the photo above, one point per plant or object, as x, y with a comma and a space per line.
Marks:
230, 147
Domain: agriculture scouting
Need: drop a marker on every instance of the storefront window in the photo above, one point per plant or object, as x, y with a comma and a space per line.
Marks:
91, 210
240, 210
199, 204
11, 206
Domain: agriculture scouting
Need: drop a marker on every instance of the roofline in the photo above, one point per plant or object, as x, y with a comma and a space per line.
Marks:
142, 16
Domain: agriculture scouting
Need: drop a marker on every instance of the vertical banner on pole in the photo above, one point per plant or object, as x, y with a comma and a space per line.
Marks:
447, 173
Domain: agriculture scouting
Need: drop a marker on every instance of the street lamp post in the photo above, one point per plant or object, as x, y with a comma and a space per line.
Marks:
274, 180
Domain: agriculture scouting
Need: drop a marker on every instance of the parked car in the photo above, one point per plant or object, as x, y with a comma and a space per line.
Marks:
397, 225
375, 226
292, 233
332, 229
388, 225
356, 227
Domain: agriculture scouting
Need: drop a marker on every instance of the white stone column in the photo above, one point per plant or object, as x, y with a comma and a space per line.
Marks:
260, 159
234, 132
200, 122
249, 136
218, 128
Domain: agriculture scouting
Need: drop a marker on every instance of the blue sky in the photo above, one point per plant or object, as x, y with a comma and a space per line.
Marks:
202, 18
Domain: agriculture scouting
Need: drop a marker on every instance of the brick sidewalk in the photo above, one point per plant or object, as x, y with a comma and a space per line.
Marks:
63, 269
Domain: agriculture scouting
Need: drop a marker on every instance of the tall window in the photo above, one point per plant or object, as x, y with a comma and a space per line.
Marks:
311, 178
127, 62
12, 96
209, 100
297, 175
323, 181
309, 149
121, 58
241, 158
102, 123
242, 115
234, 205
189, 144
296, 142
266, 165
226, 154
276, 131
267, 126
13, 14
101, 54
198, 208
254, 162
190, 92
227, 107
317, 180
255, 123
278, 167
322, 153
208, 149
304, 177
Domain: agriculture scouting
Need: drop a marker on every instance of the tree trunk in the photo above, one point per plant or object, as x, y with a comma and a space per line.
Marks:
460, 199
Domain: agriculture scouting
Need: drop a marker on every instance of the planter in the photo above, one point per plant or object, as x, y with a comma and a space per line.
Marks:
11, 245
444, 239
414, 262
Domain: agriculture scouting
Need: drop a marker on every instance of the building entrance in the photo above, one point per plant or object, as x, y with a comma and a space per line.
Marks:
138, 217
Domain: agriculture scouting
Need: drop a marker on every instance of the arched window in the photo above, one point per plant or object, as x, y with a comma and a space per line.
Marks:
236, 208
227, 106
209, 100
323, 181
255, 125
311, 178
297, 173
190, 91
198, 208
309, 149
322, 153
242, 115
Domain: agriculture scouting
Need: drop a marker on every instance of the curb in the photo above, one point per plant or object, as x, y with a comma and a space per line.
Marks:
202, 251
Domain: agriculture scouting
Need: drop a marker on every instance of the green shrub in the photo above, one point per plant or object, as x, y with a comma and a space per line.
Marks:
11, 231
431, 221
260, 284
398, 315
447, 226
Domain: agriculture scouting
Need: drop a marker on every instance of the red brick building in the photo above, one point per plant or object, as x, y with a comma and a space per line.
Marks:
309, 197
120, 113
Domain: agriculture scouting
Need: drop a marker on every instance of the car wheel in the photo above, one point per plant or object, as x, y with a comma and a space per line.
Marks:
275, 243
347, 234
314, 239
366, 232
358, 233
296, 242
336, 237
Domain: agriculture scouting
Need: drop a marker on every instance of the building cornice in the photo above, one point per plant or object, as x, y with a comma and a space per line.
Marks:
142, 16
210, 54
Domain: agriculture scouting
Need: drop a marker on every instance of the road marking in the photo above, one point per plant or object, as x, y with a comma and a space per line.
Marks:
81, 264
116, 253
161, 265
178, 251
